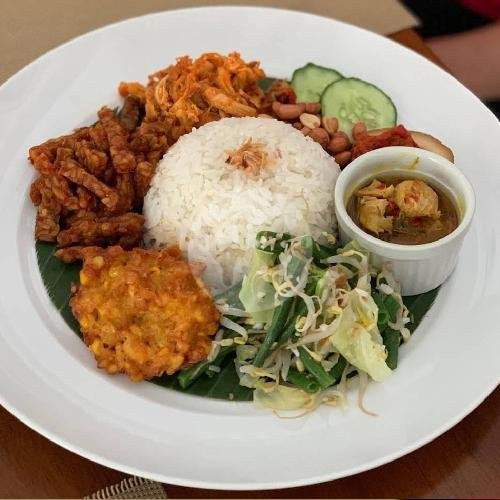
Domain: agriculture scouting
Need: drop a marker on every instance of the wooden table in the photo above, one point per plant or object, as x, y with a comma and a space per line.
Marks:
464, 462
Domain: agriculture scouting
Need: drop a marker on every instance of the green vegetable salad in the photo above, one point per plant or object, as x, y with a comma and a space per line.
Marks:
307, 317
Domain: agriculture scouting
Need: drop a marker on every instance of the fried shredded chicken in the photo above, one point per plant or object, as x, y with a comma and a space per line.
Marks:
191, 92
142, 312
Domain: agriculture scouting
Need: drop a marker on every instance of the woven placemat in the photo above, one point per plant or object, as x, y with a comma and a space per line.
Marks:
131, 487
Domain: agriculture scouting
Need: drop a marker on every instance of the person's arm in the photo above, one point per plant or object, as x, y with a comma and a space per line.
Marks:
473, 58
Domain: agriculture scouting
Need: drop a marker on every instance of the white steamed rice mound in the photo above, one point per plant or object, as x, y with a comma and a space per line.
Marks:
214, 210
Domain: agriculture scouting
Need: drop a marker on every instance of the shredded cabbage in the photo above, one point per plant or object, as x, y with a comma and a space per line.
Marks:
282, 397
356, 344
257, 294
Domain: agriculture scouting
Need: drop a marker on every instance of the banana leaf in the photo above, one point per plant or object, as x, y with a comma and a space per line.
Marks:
58, 278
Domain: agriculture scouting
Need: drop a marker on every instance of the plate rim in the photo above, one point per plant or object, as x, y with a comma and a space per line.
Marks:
31, 423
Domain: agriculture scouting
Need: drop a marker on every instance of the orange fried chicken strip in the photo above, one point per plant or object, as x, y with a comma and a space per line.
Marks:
142, 312
219, 100
191, 92
135, 89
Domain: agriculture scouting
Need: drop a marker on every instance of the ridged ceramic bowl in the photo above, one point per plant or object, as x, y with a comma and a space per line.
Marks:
418, 268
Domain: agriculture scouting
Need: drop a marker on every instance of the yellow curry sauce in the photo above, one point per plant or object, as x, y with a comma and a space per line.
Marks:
403, 211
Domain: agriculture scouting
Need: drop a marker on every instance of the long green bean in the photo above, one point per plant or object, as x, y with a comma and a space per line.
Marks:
383, 314
322, 252
300, 310
290, 329
278, 323
391, 339
302, 381
231, 296
269, 235
315, 368
392, 307
338, 369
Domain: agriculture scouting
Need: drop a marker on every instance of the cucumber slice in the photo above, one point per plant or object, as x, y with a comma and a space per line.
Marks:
310, 81
352, 100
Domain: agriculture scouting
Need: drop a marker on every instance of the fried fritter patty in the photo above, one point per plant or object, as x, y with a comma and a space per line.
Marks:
142, 312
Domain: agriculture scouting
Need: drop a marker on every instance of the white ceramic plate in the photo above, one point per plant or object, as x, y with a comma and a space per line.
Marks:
48, 378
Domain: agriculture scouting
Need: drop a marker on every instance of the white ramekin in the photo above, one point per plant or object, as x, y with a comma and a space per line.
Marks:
418, 268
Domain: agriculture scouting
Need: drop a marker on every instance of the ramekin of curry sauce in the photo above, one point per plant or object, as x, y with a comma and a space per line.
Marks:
410, 208
405, 211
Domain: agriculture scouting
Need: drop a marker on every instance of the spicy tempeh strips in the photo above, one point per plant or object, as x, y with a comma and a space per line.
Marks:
123, 159
61, 191
94, 160
126, 192
75, 173
130, 113
142, 178
70, 254
42, 159
47, 224
103, 231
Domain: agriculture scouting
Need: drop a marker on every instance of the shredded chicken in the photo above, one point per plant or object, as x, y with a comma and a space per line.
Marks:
191, 92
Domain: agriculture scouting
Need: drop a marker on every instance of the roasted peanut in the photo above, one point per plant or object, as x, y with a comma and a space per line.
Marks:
343, 158
320, 135
308, 120
330, 124
305, 130
297, 125
288, 111
358, 129
313, 107
339, 142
